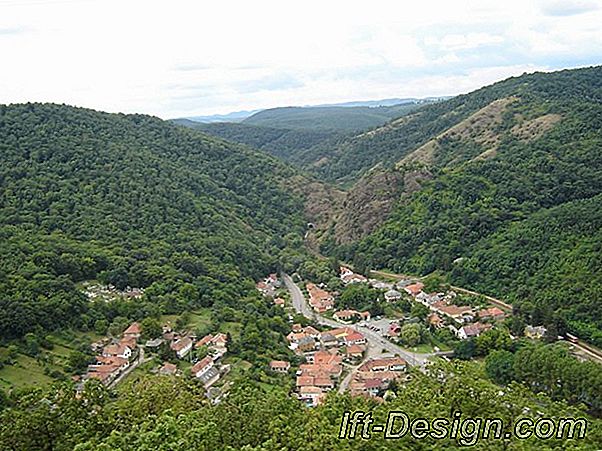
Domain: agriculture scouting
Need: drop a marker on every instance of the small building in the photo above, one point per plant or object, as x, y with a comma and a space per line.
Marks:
435, 321
117, 350
202, 366
535, 332
472, 330
182, 347
392, 295
133, 331
154, 344
280, 366
168, 369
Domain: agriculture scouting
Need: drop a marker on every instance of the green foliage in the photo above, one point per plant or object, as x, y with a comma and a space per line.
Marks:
360, 296
524, 225
151, 328
328, 118
412, 334
167, 413
499, 366
132, 201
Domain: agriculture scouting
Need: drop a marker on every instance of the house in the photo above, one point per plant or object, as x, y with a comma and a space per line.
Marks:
326, 358
297, 328
205, 341
319, 299
373, 386
130, 342
472, 330
311, 331
182, 347
354, 338
348, 276
219, 343
119, 363
279, 302
280, 366
535, 332
117, 350
354, 351
392, 295
305, 381
324, 382
493, 313
328, 340
133, 331
168, 369
414, 288
460, 313
306, 344
312, 396
202, 366
103, 373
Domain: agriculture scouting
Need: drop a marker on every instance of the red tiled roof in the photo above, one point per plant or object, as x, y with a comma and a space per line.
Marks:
201, 364
204, 341
415, 288
181, 344
134, 329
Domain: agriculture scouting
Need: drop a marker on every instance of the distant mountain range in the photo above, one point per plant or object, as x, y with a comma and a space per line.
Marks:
238, 116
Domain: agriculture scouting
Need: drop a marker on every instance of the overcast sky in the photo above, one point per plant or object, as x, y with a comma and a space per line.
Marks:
183, 58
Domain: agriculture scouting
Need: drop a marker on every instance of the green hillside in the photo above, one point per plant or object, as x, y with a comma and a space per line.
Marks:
515, 177
280, 142
135, 201
352, 157
332, 118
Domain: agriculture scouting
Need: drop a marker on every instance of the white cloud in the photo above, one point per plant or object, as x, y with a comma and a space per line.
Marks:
186, 57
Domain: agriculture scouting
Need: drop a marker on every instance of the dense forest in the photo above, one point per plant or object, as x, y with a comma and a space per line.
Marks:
330, 118
281, 142
512, 203
292, 133
133, 201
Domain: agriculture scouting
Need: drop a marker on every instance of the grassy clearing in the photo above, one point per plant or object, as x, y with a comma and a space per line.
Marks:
26, 371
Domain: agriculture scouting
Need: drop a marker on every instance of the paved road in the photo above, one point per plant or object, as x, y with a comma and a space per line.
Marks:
130, 368
374, 340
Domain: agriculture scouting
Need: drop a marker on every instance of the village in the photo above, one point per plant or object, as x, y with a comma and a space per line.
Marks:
340, 349
349, 350
116, 358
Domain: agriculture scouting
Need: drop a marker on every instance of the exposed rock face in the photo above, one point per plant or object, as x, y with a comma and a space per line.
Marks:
367, 205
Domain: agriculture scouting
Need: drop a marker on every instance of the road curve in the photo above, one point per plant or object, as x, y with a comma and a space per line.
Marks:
301, 306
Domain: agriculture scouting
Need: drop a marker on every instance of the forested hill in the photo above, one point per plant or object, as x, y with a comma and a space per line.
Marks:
350, 158
135, 201
512, 199
290, 133
333, 118
279, 142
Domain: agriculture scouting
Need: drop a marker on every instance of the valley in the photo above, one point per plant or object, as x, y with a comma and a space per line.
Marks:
430, 256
